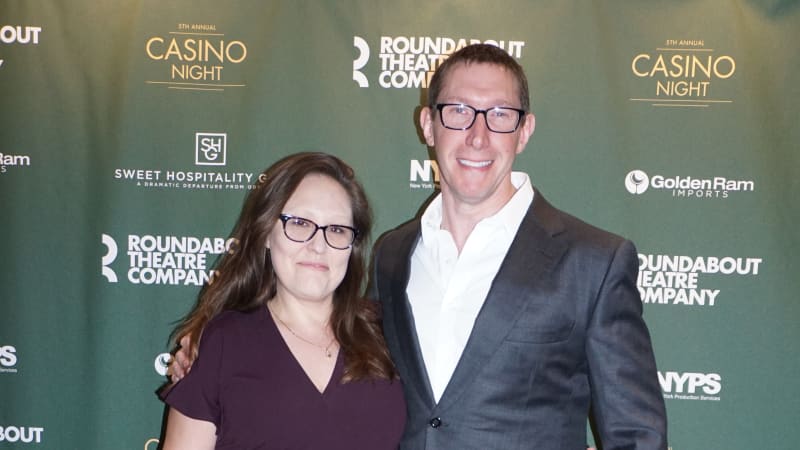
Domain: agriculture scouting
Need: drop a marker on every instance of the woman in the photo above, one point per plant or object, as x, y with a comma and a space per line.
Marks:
291, 357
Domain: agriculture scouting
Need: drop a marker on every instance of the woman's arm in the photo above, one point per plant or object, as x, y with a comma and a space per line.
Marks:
186, 433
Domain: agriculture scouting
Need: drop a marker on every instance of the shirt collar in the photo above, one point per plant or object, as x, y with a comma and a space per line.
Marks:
509, 216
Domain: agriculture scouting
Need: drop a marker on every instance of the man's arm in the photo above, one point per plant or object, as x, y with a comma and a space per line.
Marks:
626, 396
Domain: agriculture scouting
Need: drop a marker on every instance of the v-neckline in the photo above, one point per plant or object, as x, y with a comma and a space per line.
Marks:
336, 366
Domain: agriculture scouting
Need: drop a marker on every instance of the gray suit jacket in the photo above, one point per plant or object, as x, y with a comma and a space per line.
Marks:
561, 331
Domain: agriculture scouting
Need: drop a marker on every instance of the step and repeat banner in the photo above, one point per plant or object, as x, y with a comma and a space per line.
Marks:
130, 132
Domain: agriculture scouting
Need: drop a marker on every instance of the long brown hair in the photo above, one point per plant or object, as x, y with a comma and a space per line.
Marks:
245, 279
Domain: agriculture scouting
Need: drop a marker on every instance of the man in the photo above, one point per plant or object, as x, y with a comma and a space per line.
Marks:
508, 319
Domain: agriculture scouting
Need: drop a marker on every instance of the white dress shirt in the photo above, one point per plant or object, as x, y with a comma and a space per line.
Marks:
446, 290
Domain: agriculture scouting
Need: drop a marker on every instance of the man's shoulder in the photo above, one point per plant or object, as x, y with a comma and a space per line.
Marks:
404, 229
399, 236
392, 249
563, 225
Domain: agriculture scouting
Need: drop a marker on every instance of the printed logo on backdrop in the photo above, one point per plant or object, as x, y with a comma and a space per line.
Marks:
27, 435
197, 57
162, 260
638, 182
680, 279
690, 385
8, 359
209, 149
161, 363
18, 35
12, 162
409, 61
423, 174
683, 73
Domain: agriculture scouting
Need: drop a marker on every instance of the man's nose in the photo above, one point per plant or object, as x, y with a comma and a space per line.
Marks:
478, 133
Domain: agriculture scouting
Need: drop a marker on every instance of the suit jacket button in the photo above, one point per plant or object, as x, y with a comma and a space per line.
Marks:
435, 422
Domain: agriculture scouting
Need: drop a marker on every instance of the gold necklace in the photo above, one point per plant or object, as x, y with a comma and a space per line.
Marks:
326, 349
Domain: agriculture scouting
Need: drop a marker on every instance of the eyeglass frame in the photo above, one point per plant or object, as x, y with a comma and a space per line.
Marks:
521, 114
285, 217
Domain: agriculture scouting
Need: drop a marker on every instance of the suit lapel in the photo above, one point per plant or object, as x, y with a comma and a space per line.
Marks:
532, 254
405, 330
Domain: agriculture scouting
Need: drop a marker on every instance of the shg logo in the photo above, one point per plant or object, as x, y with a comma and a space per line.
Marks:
636, 182
108, 258
210, 149
361, 61
162, 362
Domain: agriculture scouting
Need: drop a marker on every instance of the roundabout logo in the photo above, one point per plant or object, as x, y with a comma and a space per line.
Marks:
636, 182
410, 61
163, 260
27, 435
363, 57
108, 258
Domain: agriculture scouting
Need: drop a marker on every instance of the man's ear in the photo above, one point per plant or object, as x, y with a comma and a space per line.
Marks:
426, 122
526, 131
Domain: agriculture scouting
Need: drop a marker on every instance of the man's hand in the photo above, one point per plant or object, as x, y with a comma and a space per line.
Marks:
181, 362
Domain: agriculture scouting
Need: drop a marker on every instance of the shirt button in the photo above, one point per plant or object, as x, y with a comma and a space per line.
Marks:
435, 422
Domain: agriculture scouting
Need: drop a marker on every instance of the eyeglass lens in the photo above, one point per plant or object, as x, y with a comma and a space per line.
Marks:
498, 119
299, 229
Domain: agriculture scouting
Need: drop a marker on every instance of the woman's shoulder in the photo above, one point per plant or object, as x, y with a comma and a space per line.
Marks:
230, 321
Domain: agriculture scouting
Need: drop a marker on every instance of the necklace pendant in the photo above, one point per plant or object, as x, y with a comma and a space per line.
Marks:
328, 353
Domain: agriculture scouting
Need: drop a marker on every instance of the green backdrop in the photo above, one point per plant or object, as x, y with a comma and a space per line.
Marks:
130, 132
